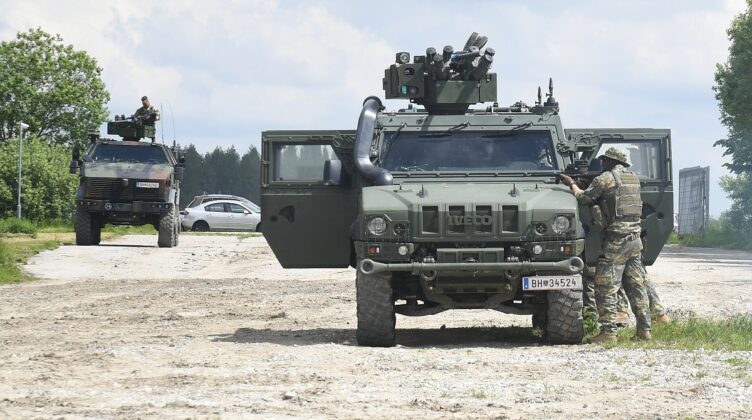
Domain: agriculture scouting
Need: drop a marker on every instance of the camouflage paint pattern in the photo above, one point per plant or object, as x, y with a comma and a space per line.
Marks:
620, 263
588, 298
599, 189
159, 172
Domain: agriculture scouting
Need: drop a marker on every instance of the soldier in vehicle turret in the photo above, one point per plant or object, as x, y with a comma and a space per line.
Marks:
147, 113
617, 193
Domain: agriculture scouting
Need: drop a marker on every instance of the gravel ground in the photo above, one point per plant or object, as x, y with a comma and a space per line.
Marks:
216, 328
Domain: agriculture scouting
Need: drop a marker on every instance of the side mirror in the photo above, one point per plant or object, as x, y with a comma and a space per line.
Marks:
181, 160
246, 212
334, 174
179, 171
73, 168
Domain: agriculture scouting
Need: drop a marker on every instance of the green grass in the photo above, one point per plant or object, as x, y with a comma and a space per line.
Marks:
13, 225
17, 247
733, 334
718, 235
15, 251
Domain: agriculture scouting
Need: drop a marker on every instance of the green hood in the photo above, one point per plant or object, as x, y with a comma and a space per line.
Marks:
514, 207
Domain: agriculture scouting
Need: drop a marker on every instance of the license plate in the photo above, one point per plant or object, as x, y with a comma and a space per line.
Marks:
147, 184
552, 282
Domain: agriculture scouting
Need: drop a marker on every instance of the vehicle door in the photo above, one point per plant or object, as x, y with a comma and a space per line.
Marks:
649, 152
217, 216
305, 218
241, 218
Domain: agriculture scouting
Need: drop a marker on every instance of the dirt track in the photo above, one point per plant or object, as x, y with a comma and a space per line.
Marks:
216, 328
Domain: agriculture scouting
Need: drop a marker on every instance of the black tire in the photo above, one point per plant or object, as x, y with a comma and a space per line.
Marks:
166, 236
200, 226
96, 231
375, 308
258, 227
85, 230
564, 323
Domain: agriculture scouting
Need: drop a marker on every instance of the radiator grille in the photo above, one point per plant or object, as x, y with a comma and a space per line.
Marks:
113, 189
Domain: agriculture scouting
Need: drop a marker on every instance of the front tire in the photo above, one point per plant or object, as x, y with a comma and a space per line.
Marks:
87, 231
200, 226
375, 309
167, 236
564, 323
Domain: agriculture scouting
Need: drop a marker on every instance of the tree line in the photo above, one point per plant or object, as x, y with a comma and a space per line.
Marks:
222, 171
58, 91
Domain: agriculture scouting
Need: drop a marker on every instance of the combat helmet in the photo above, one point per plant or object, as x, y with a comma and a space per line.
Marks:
617, 155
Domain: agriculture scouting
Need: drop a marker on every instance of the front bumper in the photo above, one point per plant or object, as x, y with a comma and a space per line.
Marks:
145, 207
573, 265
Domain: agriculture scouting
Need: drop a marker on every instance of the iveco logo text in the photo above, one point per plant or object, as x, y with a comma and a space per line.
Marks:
470, 220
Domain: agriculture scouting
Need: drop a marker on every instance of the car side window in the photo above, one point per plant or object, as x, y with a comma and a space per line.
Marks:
236, 208
216, 207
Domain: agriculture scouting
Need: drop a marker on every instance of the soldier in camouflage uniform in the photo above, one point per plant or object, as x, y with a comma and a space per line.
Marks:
658, 312
616, 192
147, 113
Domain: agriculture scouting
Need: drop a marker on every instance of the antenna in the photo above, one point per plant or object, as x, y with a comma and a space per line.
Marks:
161, 111
540, 97
172, 114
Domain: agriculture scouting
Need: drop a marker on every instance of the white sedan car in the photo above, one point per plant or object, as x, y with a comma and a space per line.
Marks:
221, 215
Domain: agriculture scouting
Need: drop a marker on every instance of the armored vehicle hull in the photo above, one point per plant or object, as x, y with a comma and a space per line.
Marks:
452, 208
127, 183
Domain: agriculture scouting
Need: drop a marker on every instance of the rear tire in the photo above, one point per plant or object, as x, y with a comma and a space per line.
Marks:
375, 309
200, 226
258, 227
564, 323
86, 232
167, 225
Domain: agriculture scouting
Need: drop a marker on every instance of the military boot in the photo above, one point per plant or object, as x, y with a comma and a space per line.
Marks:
663, 319
642, 335
622, 319
605, 337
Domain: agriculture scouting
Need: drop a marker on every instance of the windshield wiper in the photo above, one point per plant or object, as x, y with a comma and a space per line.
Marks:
448, 132
512, 131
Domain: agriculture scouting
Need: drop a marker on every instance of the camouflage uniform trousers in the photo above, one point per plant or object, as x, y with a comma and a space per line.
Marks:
620, 263
588, 294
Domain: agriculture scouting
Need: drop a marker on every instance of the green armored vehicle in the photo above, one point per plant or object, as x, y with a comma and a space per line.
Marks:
445, 207
127, 182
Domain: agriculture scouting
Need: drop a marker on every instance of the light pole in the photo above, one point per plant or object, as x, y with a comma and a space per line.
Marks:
23, 126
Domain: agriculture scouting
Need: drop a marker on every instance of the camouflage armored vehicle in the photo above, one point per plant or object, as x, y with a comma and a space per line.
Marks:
127, 182
445, 207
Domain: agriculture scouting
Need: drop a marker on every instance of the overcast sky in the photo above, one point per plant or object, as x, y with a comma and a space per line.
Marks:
224, 71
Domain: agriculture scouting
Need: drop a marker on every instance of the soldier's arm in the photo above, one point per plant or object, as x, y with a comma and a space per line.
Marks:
592, 193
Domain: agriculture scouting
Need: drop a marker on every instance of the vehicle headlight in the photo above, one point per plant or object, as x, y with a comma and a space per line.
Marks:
377, 225
561, 224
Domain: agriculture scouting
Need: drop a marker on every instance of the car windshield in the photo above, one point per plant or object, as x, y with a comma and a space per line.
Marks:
105, 152
510, 151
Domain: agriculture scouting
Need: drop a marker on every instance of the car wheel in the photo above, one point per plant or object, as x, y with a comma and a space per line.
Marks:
200, 226
258, 227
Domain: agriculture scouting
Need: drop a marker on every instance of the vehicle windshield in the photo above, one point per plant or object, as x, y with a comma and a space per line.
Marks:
509, 151
116, 153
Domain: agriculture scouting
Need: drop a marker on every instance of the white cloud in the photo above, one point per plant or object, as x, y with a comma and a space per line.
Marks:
229, 70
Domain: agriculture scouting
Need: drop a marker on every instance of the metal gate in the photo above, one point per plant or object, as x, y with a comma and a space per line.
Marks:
694, 201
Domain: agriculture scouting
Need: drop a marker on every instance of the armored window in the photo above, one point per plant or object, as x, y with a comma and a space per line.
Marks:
644, 156
502, 151
301, 162
121, 153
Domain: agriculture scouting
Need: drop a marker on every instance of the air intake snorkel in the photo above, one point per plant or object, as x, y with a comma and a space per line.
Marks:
364, 138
